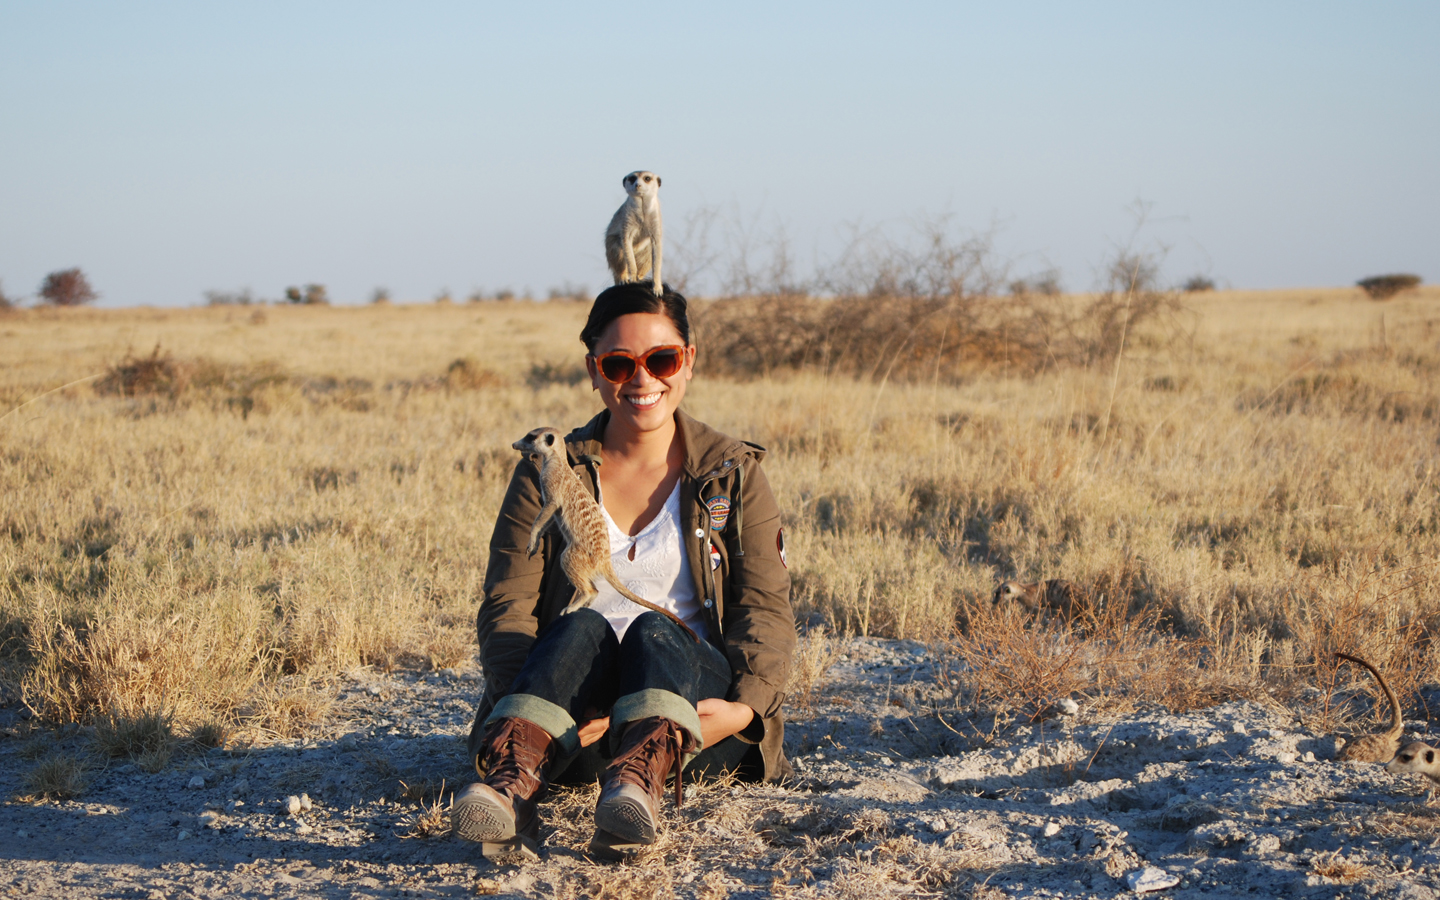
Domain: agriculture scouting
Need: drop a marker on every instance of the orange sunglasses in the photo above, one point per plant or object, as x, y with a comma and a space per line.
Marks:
619, 366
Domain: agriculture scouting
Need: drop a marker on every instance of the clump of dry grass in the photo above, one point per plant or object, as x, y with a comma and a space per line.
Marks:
431, 817
1338, 868
815, 653
147, 737
58, 776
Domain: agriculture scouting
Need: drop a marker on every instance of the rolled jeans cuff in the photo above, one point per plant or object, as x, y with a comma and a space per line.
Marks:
554, 720
655, 702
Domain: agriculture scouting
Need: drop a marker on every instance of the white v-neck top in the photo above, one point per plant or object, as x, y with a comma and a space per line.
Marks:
660, 571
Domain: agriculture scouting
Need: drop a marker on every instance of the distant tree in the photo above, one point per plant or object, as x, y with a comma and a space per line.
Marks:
6, 303
1197, 284
312, 295
67, 287
380, 295
1383, 287
228, 298
443, 296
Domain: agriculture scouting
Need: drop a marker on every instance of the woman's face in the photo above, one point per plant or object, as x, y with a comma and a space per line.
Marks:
644, 403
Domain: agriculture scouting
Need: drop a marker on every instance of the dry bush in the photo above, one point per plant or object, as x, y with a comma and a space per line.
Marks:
58, 776
67, 287
1383, 287
1369, 612
466, 374
1014, 665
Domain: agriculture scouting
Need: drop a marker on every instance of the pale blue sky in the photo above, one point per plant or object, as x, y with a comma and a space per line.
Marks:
169, 148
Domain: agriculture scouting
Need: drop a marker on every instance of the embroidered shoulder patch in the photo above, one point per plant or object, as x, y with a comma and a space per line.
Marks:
719, 511
780, 545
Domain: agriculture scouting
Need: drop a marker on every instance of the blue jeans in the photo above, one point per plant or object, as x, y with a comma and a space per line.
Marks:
577, 664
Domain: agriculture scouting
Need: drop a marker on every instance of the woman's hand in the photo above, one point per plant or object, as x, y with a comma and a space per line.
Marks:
593, 727
721, 718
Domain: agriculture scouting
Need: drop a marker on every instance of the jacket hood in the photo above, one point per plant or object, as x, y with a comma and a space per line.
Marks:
707, 452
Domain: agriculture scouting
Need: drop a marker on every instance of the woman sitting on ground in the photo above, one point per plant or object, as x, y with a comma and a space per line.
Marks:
695, 530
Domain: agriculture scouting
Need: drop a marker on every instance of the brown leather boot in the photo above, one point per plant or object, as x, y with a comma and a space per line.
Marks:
499, 812
628, 811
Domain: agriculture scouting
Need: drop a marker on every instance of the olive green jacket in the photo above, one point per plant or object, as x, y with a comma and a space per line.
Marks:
733, 540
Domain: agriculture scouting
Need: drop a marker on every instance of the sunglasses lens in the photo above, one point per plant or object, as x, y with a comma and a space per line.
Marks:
617, 369
664, 363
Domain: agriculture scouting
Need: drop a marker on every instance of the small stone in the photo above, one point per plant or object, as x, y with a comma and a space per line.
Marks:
183, 835
303, 828
1238, 728
22, 834
1068, 707
1052, 829
305, 803
1150, 878
1285, 757
240, 787
209, 819
292, 805
197, 782
1309, 756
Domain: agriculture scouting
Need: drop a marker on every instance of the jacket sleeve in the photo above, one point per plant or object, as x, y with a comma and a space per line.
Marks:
508, 616
759, 623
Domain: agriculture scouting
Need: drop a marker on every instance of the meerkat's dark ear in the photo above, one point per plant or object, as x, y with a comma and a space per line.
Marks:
549, 440
1430, 756
657, 180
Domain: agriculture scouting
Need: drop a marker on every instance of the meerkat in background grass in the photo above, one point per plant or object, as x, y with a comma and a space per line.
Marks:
566, 503
1055, 597
633, 239
1381, 747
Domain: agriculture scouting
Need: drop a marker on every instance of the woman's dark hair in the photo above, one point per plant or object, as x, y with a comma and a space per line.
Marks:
634, 297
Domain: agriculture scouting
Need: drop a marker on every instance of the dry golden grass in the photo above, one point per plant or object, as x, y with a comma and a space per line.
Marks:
311, 489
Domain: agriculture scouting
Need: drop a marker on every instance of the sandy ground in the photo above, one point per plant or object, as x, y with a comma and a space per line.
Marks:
891, 799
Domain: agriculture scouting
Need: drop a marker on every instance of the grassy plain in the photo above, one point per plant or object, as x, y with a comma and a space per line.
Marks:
305, 489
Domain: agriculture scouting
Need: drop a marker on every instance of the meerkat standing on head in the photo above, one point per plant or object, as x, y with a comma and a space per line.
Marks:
565, 502
634, 229
1379, 747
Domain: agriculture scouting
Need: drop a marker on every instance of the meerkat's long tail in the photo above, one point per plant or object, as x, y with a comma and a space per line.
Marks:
1397, 722
635, 598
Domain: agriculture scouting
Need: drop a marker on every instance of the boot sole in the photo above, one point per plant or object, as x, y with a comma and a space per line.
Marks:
605, 845
481, 819
518, 849
626, 820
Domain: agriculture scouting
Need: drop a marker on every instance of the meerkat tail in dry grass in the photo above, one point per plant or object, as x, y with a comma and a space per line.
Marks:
1419, 758
1380, 747
634, 240
566, 503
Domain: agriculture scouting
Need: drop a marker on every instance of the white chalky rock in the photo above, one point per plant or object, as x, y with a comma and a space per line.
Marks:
303, 828
305, 803
209, 819
197, 782
1142, 881
1068, 707
292, 805
1238, 728
183, 836
1052, 829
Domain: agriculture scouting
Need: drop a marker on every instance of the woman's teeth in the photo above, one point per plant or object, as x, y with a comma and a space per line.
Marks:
644, 401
